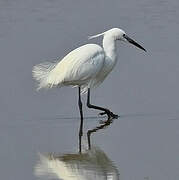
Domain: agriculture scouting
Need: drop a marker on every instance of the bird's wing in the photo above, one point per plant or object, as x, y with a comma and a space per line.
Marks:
80, 65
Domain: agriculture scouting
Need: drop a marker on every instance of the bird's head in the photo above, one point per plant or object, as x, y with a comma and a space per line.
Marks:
118, 34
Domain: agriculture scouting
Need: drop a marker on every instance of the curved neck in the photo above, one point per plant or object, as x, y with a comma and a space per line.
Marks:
109, 46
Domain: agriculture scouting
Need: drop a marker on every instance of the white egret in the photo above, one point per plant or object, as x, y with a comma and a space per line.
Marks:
85, 67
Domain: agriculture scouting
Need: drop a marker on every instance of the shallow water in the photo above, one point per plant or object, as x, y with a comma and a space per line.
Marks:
143, 89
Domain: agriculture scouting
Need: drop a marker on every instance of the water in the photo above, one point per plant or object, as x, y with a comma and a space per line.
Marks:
143, 89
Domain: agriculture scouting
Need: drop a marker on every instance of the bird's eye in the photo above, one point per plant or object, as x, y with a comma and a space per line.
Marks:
123, 35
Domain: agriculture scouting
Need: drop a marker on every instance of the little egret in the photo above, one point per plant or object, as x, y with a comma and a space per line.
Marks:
85, 67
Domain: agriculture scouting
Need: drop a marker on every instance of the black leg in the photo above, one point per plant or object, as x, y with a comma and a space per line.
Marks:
81, 116
105, 111
89, 139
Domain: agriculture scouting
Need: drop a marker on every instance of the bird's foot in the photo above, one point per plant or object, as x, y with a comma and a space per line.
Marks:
109, 114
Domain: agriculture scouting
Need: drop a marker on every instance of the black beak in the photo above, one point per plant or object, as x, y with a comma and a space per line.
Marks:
133, 42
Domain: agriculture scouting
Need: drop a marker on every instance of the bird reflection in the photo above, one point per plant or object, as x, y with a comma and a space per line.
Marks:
103, 125
90, 164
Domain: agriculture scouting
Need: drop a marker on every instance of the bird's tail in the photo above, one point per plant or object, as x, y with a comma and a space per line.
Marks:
41, 74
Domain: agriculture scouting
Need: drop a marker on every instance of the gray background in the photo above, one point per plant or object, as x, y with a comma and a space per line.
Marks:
143, 88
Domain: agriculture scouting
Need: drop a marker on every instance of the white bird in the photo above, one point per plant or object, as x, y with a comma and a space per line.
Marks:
90, 165
85, 67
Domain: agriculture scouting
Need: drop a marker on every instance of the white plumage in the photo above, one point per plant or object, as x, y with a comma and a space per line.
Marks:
79, 67
86, 66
